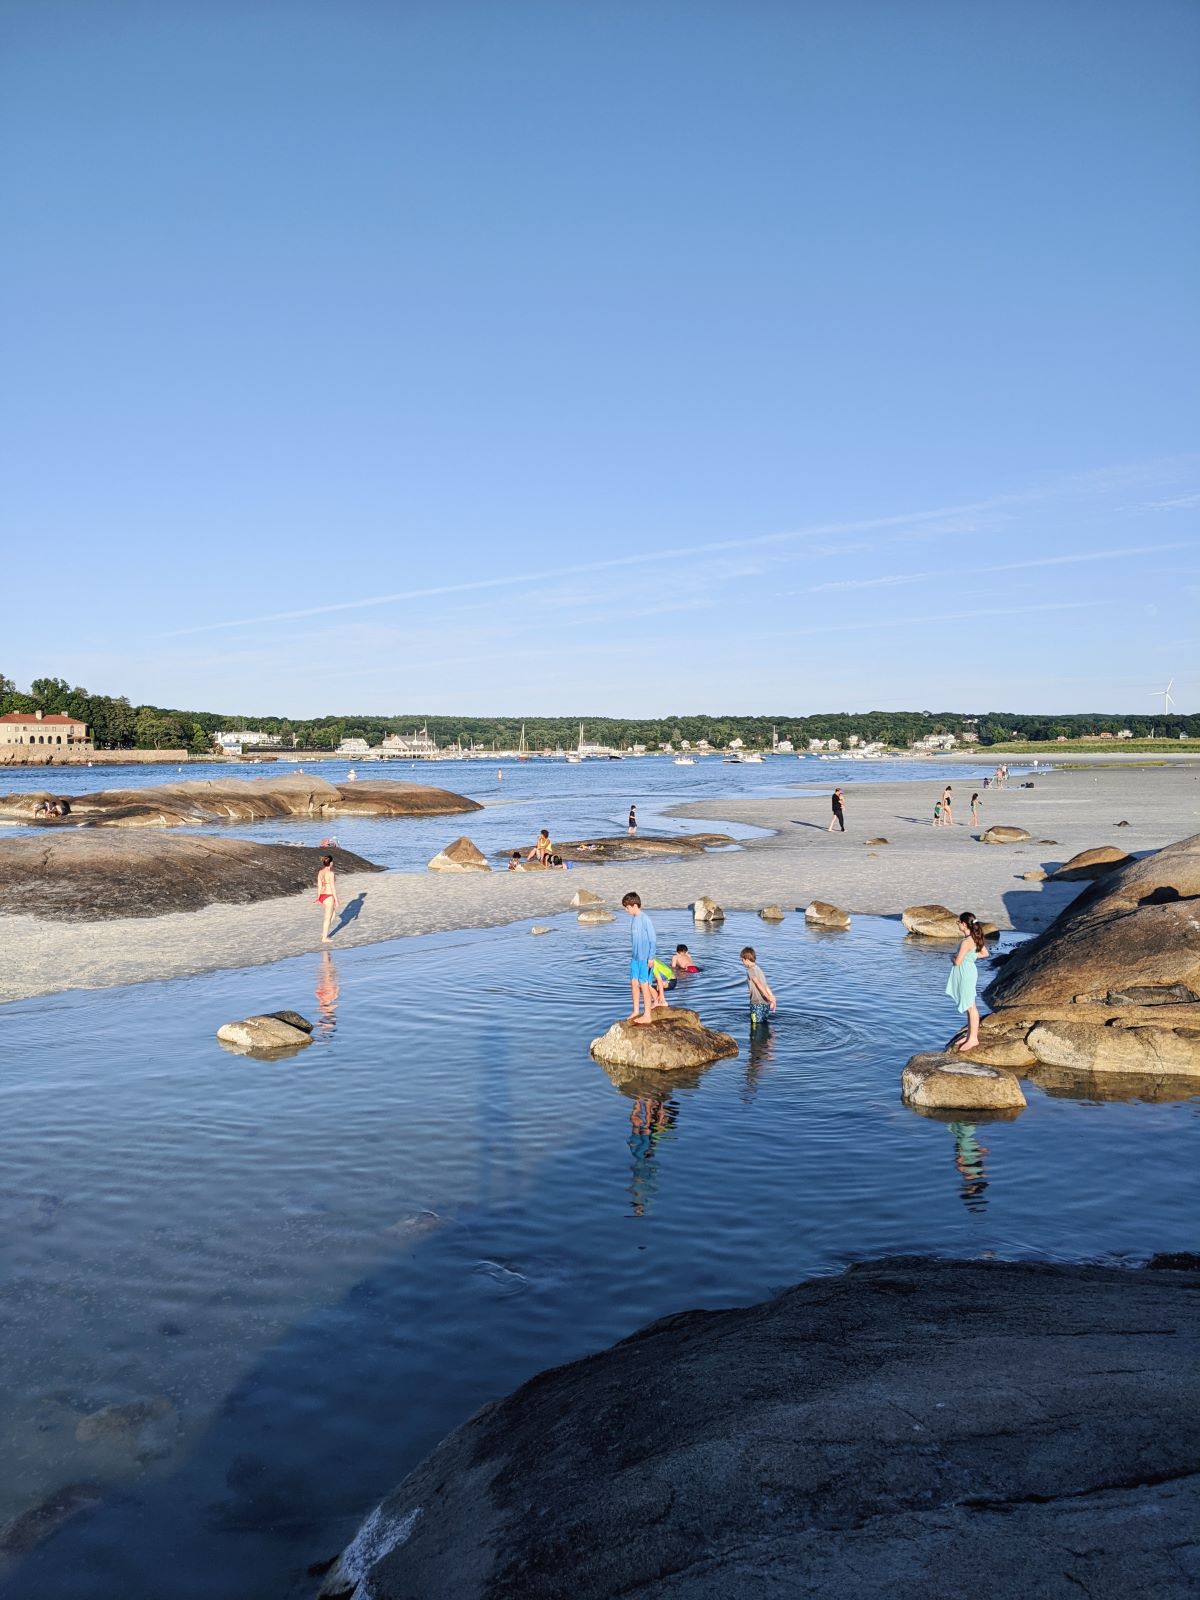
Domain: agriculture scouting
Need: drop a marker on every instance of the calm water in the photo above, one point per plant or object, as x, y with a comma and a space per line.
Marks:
574, 802
314, 1268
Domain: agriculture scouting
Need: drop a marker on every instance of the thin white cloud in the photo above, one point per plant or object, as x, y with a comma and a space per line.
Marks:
955, 616
1006, 566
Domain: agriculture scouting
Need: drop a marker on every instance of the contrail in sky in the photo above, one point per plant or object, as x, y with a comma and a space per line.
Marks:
1007, 566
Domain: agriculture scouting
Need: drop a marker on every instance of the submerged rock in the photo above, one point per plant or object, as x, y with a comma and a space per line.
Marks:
675, 1039
873, 1435
540, 927
27, 1530
461, 856
148, 1429
1089, 864
822, 915
949, 1081
706, 910
1000, 834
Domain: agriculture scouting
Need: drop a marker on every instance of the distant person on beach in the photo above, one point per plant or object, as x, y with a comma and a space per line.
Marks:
762, 1001
327, 895
975, 809
682, 961
947, 808
514, 862
632, 819
964, 979
937, 813
642, 946
839, 814
542, 849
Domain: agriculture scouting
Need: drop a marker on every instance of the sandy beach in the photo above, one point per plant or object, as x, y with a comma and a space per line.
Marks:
799, 862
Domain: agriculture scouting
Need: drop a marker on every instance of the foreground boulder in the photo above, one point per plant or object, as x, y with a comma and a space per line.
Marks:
874, 1435
461, 856
820, 914
706, 910
204, 800
950, 1081
1004, 835
675, 1039
97, 875
1089, 864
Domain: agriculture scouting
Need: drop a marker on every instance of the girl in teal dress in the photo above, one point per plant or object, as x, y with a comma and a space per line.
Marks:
964, 978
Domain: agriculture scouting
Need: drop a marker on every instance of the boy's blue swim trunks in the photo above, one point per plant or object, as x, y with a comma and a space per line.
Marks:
639, 971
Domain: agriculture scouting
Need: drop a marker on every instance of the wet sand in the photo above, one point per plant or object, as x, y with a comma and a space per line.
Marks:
798, 863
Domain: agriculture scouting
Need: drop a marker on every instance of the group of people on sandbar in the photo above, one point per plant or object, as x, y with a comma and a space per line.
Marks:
943, 809
543, 854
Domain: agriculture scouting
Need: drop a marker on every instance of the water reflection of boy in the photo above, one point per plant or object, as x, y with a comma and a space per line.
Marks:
649, 1120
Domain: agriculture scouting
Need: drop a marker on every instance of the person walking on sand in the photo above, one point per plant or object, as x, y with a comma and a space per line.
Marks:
632, 820
975, 809
947, 811
643, 944
964, 979
327, 895
839, 814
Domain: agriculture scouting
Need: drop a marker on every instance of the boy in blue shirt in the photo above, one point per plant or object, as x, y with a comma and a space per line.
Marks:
642, 946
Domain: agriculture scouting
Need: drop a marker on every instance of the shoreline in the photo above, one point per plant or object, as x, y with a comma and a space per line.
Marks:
799, 861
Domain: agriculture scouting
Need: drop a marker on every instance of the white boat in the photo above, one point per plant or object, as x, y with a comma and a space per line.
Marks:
753, 759
684, 761
573, 758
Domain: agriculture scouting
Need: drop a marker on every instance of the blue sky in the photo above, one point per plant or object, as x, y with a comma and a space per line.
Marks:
601, 357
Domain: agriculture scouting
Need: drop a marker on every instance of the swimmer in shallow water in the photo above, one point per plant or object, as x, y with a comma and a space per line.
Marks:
682, 961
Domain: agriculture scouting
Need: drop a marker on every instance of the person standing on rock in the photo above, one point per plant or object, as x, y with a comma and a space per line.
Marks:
327, 895
964, 979
839, 814
643, 945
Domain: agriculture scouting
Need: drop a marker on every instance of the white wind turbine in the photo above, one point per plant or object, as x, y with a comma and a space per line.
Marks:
1166, 694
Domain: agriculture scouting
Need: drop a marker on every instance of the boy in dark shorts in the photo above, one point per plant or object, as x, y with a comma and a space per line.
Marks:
762, 1001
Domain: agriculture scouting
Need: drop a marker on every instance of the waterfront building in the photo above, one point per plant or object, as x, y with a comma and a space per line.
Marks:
247, 739
43, 728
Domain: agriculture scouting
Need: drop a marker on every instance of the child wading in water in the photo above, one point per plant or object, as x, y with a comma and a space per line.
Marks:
964, 979
642, 947
327, 895
762, 1001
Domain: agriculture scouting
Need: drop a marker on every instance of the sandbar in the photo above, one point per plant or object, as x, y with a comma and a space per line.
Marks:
797, 863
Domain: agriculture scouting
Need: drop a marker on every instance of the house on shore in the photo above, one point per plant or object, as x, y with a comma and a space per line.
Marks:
43, 728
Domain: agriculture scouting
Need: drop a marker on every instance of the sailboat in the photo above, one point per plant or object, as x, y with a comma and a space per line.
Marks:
576, 756
522, 751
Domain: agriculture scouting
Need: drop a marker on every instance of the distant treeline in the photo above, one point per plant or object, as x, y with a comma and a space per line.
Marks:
116, 724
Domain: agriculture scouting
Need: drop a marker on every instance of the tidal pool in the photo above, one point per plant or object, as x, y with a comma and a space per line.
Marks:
288, 1279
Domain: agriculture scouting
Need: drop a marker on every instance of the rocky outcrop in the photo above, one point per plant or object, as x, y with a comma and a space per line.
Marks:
584, 897
96, 876
1109, 994
773, 913
706, 910
876, 1434
267, 1034
938, 922
461, 856
948, 1081
199, 801
638, 847
675, 1039
820, 914
1090, 864
999, 834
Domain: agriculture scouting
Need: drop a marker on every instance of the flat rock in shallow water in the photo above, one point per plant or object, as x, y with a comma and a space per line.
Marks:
869, 1436
460, 856
263, 1036
822, 915
595, 915
950, 1081
938, 922
676, 1038
95, 875
773, 914
27, 1530
706, 910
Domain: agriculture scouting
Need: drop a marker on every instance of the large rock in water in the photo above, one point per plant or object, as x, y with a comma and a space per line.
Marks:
204, 800
1000, 834
461, 856
938, 922
706, 910
1089, 864
821, 914
92, 875
675, 1039
265, 1035
950, 1081
876, 1435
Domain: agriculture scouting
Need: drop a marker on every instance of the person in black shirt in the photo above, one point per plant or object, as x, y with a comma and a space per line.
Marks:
839, 816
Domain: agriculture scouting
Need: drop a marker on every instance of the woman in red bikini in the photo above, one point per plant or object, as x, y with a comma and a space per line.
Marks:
327, 895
